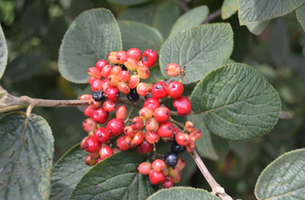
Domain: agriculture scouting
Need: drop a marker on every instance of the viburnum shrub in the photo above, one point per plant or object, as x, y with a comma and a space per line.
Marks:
152, 109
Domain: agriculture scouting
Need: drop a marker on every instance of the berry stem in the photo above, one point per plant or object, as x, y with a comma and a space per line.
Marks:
216, 188
181, 125
130, 112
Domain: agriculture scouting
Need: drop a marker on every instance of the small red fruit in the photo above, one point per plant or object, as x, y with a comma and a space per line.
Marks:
121, 112
173, 69
137, 123
183, 106
182, 139
121, 143
109, 106
105, 151
101, 64
94, 72
174, 89
102, 135
162, 114
145, 147
92, 145
168, 182
115, 126
159, 90
152, 103
100, 115
158, 165
156, 177
166, 129
97, 85
135, 53
149, 57
89, 111
112, 93
144, 168
89, 125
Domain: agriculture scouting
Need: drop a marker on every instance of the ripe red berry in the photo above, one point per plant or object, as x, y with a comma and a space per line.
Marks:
145, 147
144, 168
151, 137
158, 165
101, 64
174, 89
105, 151
112, 93
152, 124
162, 114
121, 56
124, 76
99, 159
82, 144
166, 129
89, 125
173, 69
142, 89
92, 145
115, 126
121, 112
91, 79
129, 131
159, 90
182, 139
106, 71
100, 115
168, 182
121, 143
89, 111
135, 53
152, 103
156, 177
97, 85
94, 72
102, 135
137, 123
183, 106
149, 57
109, 106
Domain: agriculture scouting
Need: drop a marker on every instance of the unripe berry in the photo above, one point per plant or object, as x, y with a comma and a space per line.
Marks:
121, 143
134, 81
109, 106
135, 53
90, 161
101, 64
173, 69
113, 80
97, 85
162, 114
131, 63
149, 57
137, 123
124, 76
151, 137
138, 138
156, 177
144, 168
106, 71
106, 84
177, 178
166, 129
158, 165
121, 56
174, 89
182, 139
121, 112
89, 125
82, 144
94, 155
113, 58
180, 165
159, 90
142, 89
183, 106
152, 103
129, 131
152, 124
102, 135
190, 127
115, 70
144, 147
85, 97
172, 171
100, 115
146, 113
94, 72
143, 72
115, 126
124, 88
92, 145
105, 152
94, 104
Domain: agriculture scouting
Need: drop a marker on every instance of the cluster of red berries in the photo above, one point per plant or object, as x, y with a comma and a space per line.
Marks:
153, 122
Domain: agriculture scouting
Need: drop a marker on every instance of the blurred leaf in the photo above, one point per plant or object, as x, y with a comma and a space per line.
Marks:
155, 14
72, 164
114, 178
182, 193
279, 43
26, 157
284, 178
209, 145
301, 15
191, 19
139, 35
129, 2
24, 67
200, 49
237, 102
155, 75
297, 63
228, 8
251, 11
258, 27
91, 37
3, 52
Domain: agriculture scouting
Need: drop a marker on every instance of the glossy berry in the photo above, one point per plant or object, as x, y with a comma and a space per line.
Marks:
149, 57
102, 135
91, 79
100, 115
159, 90
144, 147
135, 53
131, 63
106, 71
137, 123
152, 103
134, 81
121, 143
166, 129
129, 131
121, 112
105, 151
182, 139
158, 165
156, 177
98, 96
177, 149
162, 114
113, 80
152, 124
124, 76
92, 71
142, 89
89, 111
138, 138
83, 142
183, 106
145, 113
97, 85
173, 69
115, 70
133, 96
180, 165
174, 89
92, 145
89, 125
168, 182
101, 64
143, 72
85, 97
144, 168
112, 93
121, 56
113, 58
190, 127
115, 126
171, 159
151, 137
109, 106
124, 88
90, 161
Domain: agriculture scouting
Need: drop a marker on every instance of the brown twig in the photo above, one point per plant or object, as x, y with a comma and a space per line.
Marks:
183, 6
212, 16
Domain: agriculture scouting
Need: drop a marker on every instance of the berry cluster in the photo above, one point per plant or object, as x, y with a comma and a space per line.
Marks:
153, 122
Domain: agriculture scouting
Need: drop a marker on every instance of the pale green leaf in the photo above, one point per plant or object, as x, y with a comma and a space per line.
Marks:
229, 8
301, 15
258, 27
3, 52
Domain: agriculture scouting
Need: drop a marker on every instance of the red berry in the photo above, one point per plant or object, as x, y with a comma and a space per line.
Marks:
109, 106
85, 97
94, 104
134, 81
89, 125
138, 138
156, 177
124, 76
99, 159
173, 69
146, 113
101, 64
90, 161
152, 103
180, 165
115, 126
121, 112
174, 89
115, 150
177, 178
121, 143
106, 71
190, 127
135, 53
151, 137
89, 111
112, 93
182, 139
145, 147
92, 145
166, 129
149, 57
142, 89
102, 135
105, 151
121, 56
158, 165
137, 123
183, 106
124, 88
168, 182
162, 114
113, 58
113, 80
105, 84
82, 144
152, 124
97, 85
159, 90
144, 168
115, 70
129, 131
100, 115
94, 72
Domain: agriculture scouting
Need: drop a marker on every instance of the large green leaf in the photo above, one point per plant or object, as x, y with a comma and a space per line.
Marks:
90, 37
284, 178
114, 178
67, 173
209, 145
200, 49
251, 11
139, 35
258, 27
301, 15
129, 2
191, 19
182, 193
237, 102
155, 14
228, 8
3, 52
26, 154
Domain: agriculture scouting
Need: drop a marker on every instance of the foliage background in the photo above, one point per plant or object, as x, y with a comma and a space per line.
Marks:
34, 31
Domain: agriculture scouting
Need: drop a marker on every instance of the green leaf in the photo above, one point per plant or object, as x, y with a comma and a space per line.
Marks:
284, 178
155, 75
139, 35
258, 27
237, 102
114, 178
200, 49
26, 154
72, 164
154, 14
251, 11
301, 15
228, 8
209, 145
129, 2
182, 193
3, 52
191, 19
90, 37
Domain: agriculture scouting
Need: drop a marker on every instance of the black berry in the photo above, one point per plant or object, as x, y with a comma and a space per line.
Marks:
177, 149
171, 159
123, 67
133, 95
98, 96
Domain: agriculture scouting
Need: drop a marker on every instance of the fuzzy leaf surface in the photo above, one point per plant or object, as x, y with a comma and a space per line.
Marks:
3, 52
301, 15
228, 8
258, 27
